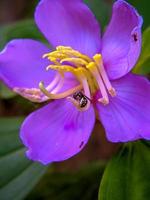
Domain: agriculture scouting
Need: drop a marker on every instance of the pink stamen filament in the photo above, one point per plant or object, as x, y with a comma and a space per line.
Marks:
59, 86
99, 62
90, 73
86, 92
86, 88
92, 67
59, 95
54, 82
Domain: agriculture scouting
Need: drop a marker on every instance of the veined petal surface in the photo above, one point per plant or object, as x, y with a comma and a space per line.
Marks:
121, 43
127, 116
69, 23
57, 131
22, 66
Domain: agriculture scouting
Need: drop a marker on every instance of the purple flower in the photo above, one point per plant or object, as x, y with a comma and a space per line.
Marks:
86, 72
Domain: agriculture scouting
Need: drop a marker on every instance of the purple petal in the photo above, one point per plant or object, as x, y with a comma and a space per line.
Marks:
69, 23
121, 43
127, 116
22, 66
57, 131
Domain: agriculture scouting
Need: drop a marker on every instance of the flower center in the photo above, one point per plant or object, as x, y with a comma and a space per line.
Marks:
89, 72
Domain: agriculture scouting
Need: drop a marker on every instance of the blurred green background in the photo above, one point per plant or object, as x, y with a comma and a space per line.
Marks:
79, 177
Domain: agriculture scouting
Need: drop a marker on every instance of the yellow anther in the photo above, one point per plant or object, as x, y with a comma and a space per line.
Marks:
64, 68
84, 57
80, 72
60, 48
67, 68
91, 66
97, 58
45, 55
75, 61
57, 55
90, 73
54, 60
99, 62
71, 52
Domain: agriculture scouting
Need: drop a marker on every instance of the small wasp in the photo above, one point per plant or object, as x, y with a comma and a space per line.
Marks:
81, 98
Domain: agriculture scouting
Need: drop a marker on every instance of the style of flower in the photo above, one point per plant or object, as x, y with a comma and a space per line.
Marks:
83, 73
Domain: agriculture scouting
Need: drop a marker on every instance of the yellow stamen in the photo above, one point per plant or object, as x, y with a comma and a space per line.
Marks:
56, 55
98, 60
93, 69
71, 52
75, 61
54, 60
60, 95
60, 48
89, 72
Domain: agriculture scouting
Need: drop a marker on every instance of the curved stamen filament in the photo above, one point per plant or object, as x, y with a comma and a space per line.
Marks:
98, 60
91, 81
60, 95
75, 71
54, 82
58, 87
84, 82
92, 67
89, 72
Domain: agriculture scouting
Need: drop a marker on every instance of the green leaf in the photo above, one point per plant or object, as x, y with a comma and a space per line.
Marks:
143, 9
82, 184
6, 93
127, 176
143, 65
21, 29
18, 175
101, 9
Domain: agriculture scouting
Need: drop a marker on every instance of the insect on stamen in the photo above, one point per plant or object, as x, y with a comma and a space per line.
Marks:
81, 100
89, 72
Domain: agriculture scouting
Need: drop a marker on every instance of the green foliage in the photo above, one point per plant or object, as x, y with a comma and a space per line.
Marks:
127, 175
21, 29
143, 65
18, 175
101, 9
143, 9
5, 93
82, 185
